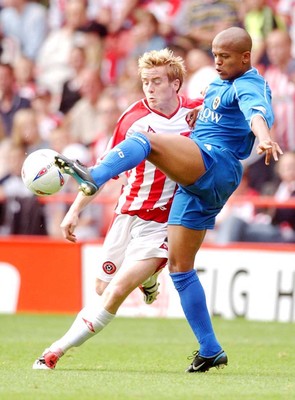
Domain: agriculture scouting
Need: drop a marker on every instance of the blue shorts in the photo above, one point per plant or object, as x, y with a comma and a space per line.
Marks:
196, 206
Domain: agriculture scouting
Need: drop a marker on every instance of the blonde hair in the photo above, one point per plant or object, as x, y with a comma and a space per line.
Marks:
165, 57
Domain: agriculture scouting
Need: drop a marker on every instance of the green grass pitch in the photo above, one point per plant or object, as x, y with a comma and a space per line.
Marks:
145, 359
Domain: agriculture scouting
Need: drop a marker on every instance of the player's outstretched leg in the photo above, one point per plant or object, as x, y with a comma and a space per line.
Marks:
79, 172
89, 321
123, 157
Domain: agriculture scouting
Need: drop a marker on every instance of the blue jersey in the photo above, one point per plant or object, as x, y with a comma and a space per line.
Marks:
245, 97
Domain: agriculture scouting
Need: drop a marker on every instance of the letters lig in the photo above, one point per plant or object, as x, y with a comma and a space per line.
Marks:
237, 302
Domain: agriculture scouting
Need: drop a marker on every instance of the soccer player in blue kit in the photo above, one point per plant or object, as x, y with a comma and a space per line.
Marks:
206, 166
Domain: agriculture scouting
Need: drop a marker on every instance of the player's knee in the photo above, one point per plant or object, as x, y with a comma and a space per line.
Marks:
119, 292
114, 295
179, 266
174, 267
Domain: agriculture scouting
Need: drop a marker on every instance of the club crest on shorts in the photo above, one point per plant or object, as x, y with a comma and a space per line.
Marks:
109, 268
216, 103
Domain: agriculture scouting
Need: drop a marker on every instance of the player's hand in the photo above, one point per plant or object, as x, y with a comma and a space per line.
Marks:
68, 227
270, 148
191, 117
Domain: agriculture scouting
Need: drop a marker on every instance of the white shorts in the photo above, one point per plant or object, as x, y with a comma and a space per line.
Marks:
130, 239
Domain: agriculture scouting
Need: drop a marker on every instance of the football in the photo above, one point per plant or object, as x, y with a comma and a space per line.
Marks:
40, 175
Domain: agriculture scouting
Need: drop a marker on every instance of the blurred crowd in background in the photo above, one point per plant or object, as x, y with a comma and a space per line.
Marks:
68, 69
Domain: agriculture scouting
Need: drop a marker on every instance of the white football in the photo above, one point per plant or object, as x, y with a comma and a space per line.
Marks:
40, 175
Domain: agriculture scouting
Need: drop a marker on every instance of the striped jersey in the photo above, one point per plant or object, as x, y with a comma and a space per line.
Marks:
283, 100
148, 192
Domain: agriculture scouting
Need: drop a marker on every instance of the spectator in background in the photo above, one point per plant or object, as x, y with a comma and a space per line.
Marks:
203, 19
225, 230
128, 88
45, 110
24, 24
81, 120
167, 13
180, 47
4, 143
201, 72
56, 12
52, 63
24, 72
71, 87
2, 131
10, 100
59, 138
25, 131
93, 42
23, 213
259, 20
275, 225
280, 75
108, 114
145, 35
286, 10
116, 15
4, 169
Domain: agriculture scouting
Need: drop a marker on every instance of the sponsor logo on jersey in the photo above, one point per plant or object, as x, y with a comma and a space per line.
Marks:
109, 268
207, 114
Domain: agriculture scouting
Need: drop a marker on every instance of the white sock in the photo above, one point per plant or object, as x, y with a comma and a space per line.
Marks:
87, 324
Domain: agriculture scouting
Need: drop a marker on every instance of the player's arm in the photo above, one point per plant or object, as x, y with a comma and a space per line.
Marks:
71, 219
265, 143
192, 116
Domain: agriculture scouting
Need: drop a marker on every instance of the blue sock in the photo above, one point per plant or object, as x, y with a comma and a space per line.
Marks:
193, 302
123, 157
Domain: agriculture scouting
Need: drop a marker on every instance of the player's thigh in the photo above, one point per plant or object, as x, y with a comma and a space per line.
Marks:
114, 248
177, 156
132, 274
128, 278
184, 243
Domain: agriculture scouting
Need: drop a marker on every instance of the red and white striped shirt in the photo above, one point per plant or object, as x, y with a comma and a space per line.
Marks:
148, 192
283, 101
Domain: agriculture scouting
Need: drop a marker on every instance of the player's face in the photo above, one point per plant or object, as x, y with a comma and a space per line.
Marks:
229, 64
160, 93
